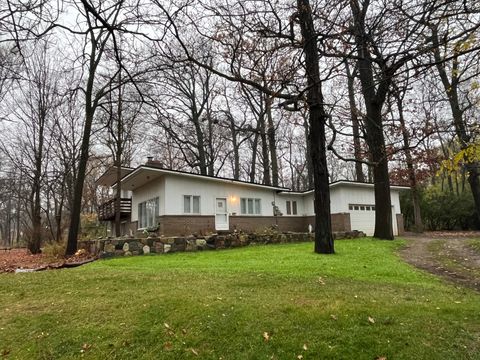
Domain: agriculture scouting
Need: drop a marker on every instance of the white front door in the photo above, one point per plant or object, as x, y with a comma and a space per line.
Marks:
221, 214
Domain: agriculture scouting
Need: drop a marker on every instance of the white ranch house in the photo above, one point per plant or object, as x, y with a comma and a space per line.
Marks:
180, 203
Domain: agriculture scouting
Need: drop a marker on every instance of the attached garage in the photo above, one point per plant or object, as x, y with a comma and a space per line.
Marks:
358, 201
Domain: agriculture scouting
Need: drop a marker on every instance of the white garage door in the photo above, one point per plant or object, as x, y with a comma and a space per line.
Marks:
362, 218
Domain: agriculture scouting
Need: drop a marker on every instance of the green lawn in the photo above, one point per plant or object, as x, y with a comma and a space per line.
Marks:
219, 304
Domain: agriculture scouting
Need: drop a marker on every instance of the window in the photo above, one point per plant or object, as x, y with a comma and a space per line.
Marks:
291, 207
361, 207
250, 206
191, 204
148, 212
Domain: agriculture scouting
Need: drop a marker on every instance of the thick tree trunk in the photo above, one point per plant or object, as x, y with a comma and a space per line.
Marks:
374, 96
308, 156
383, 204
317, 119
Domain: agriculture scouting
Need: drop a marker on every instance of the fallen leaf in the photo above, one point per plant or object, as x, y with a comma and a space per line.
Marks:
184, 331
320, 281
305, 347
5, 352
194, 352
333, 317
266, 336
371, 320
300, 357
381, 358
168, 346
166, 325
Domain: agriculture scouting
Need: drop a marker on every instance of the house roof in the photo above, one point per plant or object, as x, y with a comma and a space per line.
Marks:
146, 173
109, 177
347, 183
133, 178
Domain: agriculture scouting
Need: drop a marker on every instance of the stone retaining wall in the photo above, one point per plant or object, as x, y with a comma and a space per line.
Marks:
139, 246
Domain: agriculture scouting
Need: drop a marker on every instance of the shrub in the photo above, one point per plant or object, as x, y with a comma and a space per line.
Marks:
442, 209
55, 249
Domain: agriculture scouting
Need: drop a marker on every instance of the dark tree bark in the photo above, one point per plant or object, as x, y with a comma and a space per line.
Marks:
92, 99
317, 120
265, 154
374, 97
359, 176
308, 155
272, 143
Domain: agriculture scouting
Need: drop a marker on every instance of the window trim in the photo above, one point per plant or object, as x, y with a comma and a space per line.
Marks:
191, 197
361, 207
244, 205
292, 208
142, 211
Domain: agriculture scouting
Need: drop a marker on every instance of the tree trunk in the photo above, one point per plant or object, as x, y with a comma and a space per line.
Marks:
359, 176
79, 181
118, 196
265, 154
272, 143
474, 181
417, 215
202, 160
383, 205
374, 97
254, 156
317, 119
236, 153
308, 156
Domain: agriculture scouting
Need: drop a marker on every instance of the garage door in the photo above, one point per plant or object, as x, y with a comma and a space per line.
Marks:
362, 218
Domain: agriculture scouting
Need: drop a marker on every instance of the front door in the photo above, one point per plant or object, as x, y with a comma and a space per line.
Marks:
221, 214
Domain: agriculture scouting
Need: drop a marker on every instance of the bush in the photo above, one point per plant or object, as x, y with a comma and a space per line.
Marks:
55, 249
442, 209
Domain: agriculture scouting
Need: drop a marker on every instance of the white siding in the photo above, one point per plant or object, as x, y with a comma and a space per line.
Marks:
208, 190
149, 191
343, 195
281, 202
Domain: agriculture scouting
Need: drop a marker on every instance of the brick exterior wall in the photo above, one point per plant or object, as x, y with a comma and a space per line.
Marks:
340, 222
184, 225
176, 225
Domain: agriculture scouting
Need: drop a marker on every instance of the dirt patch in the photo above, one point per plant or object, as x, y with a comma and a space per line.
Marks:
447, 254
21, 259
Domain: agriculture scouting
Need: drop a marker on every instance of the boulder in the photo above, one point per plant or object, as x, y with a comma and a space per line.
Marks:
109, 248
146, 249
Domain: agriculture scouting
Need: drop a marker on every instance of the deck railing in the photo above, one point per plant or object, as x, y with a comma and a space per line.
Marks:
107, 210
